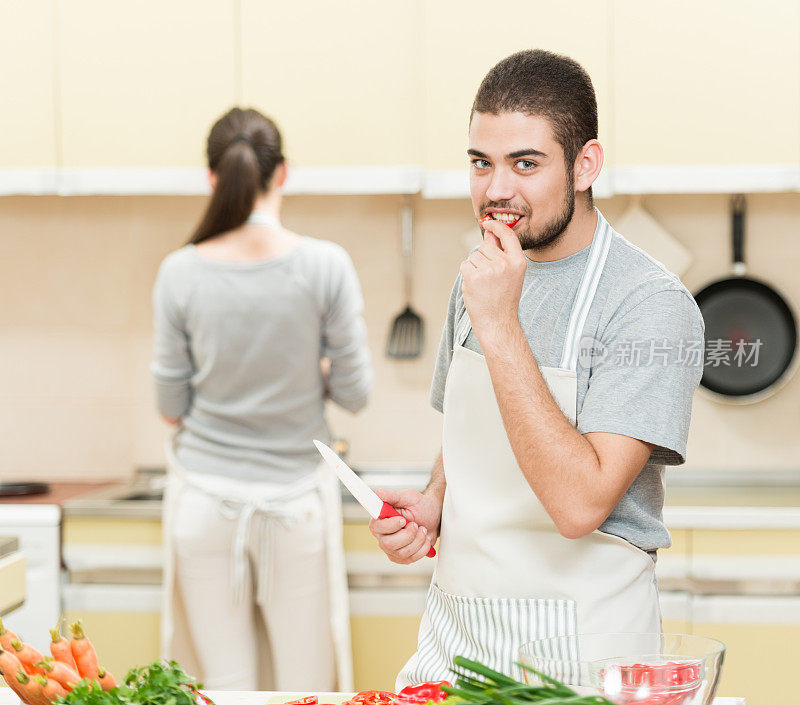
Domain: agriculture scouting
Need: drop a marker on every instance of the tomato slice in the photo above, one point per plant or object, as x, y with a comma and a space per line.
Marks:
372, 697
308, 700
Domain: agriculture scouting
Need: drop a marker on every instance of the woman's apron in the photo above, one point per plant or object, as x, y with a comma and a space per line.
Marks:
244, 508
505, 575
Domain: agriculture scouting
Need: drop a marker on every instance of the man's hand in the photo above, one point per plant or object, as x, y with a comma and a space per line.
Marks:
492, 279
407, 538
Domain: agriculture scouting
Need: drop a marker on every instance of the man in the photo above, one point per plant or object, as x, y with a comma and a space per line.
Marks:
565, 374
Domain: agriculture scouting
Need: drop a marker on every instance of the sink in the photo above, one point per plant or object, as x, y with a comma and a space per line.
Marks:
146, 496
142, 496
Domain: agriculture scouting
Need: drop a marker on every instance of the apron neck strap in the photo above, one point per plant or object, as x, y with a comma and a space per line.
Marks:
263, 218
586, 291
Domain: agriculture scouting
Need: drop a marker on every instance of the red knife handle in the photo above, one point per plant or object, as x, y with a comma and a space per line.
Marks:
387, 510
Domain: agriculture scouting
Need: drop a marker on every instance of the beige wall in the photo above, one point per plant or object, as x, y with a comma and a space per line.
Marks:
76, 273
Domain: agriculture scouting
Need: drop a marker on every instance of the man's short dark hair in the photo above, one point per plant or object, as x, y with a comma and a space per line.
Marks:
555, 87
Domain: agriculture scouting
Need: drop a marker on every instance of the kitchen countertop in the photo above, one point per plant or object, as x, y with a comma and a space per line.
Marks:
694, 499
235, 697
60, 492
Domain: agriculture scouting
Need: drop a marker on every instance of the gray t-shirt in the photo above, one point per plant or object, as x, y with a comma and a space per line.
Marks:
641, 360
237, 349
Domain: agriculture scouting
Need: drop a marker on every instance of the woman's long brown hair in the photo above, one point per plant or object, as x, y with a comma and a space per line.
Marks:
244, 148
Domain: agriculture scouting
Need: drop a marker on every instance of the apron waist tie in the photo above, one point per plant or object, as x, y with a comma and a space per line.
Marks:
243, 513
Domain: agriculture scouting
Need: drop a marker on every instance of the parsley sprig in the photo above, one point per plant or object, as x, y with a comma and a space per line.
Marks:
160, 683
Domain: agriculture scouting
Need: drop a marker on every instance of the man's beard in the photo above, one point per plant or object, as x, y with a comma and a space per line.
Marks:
552, 231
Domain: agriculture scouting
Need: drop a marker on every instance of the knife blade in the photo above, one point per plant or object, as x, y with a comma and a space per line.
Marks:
375, 506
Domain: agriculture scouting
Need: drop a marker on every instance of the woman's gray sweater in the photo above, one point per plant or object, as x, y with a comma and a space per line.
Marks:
237, 347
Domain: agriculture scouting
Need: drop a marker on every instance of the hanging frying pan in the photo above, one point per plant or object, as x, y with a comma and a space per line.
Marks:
751, 331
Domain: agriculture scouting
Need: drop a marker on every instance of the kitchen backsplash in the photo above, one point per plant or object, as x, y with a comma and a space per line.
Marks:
76, 398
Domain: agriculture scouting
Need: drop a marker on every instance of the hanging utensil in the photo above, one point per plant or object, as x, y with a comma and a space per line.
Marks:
407, 331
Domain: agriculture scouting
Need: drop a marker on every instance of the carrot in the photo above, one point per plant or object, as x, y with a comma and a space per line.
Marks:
83, 652
6, 637
9, 667
49, 689
18, 689
105, 678
28, 656
31, 690
59, 672
59, 647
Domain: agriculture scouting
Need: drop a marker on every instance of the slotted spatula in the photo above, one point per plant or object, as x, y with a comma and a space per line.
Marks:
407, 331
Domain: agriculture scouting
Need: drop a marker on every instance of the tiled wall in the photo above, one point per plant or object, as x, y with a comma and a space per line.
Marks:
76, 273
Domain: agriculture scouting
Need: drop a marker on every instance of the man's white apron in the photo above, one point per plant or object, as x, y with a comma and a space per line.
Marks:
265, 500
505, 575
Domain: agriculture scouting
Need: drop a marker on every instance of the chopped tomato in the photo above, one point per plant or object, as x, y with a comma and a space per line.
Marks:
308, 700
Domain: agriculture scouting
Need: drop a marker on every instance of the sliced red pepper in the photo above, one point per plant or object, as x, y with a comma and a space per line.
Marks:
510, 225
422, 693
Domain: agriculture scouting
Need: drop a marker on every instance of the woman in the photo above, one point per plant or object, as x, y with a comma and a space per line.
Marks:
254, 327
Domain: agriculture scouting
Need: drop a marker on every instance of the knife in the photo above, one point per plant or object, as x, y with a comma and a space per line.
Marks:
375, 506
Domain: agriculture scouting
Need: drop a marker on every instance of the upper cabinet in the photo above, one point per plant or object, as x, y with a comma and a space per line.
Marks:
341, 79
465, 38
375, 97
706, 83
27, 84
141, 83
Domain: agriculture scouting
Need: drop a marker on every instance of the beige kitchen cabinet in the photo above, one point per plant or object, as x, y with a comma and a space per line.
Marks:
140, 85
114, 585
342, 80
27, 84
761, 624
762, 636
123, 622
383, 626
463, 41
712, 83
12, 575
672, 570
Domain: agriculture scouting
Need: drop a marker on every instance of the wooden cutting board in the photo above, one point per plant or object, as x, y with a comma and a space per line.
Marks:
644, 231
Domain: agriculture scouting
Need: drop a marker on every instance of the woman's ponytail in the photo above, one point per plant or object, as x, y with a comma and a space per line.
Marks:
244, 148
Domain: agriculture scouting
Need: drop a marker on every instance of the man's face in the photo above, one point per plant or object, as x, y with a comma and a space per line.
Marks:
517, 169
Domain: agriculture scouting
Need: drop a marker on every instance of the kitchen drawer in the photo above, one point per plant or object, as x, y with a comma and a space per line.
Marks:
123, 622
112, 531
676, 612
673, 565
745, 541
762, 635
12, 581
357, 537
384, 624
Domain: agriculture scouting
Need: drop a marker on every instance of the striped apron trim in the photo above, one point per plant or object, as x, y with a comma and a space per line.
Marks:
489, 630
586, 291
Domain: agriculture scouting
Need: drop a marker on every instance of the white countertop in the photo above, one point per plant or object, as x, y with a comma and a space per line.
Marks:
235, 697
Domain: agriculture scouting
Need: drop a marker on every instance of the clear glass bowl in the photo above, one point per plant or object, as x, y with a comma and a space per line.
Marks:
630, 668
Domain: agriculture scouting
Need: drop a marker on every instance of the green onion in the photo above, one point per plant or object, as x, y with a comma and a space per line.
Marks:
480, 685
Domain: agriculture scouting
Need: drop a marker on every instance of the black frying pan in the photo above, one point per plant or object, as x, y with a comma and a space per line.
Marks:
741, 311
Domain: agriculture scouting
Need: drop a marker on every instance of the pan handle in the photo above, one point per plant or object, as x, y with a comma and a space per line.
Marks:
738, 206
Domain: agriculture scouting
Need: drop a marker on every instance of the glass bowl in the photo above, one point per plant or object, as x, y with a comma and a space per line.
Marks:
630, 668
